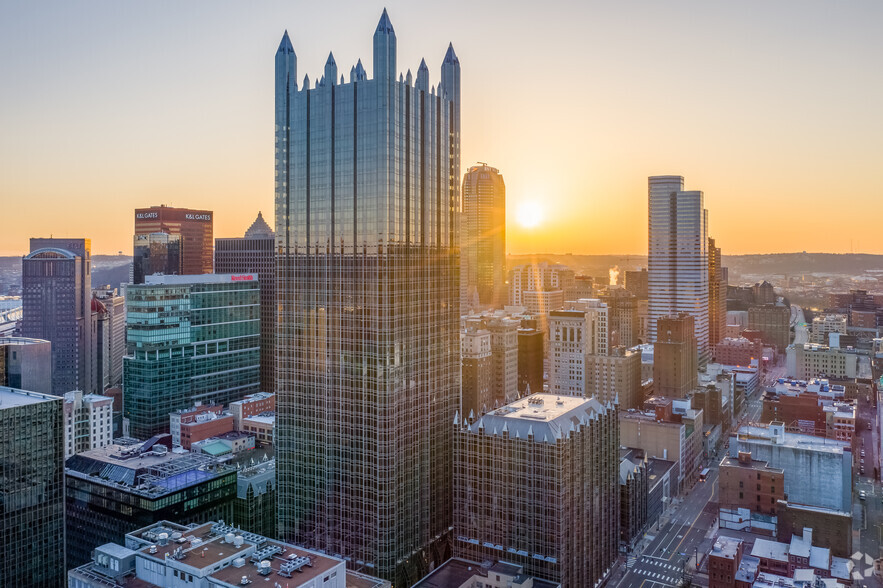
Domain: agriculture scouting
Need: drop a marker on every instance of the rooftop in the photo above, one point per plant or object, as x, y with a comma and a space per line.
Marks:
13, 397
754, 464
763, 434
766, 549
167, 280
545, 417
457, 572
727, 547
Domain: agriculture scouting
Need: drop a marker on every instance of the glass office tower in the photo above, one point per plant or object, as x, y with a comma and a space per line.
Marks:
678, 261
367, 205
190, 339
31, 489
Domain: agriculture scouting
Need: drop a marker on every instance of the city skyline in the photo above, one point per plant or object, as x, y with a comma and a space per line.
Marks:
753, 91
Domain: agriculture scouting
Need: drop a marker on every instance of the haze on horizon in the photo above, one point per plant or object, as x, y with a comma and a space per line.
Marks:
772, 109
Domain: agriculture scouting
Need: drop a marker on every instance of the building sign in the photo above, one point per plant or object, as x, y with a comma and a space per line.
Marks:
143, 215
242, 278
198, 217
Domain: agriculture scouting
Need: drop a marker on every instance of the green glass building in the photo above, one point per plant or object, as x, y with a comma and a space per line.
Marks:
190, 339
31, 489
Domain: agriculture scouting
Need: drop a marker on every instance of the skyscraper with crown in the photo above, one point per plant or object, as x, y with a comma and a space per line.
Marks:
367, 207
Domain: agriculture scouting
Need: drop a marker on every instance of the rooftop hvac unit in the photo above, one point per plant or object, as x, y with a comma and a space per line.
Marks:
264, 568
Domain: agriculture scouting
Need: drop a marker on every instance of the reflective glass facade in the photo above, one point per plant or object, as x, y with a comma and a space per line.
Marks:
677, 277
367, 208
31, 489
188, 342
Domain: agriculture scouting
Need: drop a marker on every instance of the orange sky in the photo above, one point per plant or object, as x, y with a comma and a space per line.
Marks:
772, 109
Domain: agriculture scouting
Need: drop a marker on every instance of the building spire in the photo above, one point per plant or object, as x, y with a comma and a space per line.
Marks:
423, 76
331, 69
384, 49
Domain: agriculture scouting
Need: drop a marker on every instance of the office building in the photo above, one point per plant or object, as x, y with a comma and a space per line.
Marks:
675, 357
57, 306
476, 364
678, 262
666, 429
615, 375
189, 242
818, 471
255, 254
483, 239
565, 451
367, 196
717, 295
113, 490
191, 339
198, 424
156, 253
738, 351
254, 509
462, 573
634, 490
622, 310
823, 326
814, 407
31, 489
540, 277
88, 422
26, 364
211, 555
583, 287
110, 342
530, 360
636, 283
806, 361
774, 323
662, 484
252, 405
504, 355
568, 345
749, 492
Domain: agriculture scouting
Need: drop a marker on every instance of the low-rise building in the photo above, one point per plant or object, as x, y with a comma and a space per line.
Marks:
254, 508
198, 424
786, 559
261, 426
634, 491
815, 407
252, 405
723, 562
211, 555
738, 351
749, 494
463, 573
230, 443
805, 361
823, 325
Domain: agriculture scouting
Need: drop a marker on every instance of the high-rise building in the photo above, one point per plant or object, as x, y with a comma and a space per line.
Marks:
367, 379
568, 344
636, 283
678, 261
256, 253
57, 306
190, 339
717, 296
476, 363
622, 308
774, 323
530, 360
88, 420
186, 249
31, 489
483, 238
155, 253
541, 277
115, 489
617, 375
675, 370
26, 364
110, 342
504, 353
547, 492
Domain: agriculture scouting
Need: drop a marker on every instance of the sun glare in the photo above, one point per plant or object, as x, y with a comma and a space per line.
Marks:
529, 214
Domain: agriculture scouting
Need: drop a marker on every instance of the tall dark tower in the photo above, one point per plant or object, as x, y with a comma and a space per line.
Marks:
367, 212
483, 234
57, 306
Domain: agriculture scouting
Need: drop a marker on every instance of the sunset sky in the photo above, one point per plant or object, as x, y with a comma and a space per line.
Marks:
773, 109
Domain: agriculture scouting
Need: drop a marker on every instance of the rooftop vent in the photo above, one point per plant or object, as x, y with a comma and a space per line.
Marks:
239, 562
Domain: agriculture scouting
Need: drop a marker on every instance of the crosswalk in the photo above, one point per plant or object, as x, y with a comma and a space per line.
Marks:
653, 569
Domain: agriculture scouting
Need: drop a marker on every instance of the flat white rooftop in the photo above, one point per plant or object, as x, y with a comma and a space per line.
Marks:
13, 397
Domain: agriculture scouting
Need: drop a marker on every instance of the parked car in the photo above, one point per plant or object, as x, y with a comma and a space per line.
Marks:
862, 495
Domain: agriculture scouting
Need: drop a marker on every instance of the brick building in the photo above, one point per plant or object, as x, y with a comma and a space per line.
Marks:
749, 492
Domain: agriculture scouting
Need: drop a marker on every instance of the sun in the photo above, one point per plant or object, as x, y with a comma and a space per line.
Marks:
529, 214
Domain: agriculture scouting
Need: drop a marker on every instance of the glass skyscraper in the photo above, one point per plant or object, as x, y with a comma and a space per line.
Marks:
483, 232
678, 261
367, 207
31, 489
189, 338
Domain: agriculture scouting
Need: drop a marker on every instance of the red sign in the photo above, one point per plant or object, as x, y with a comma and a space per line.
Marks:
243, 278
